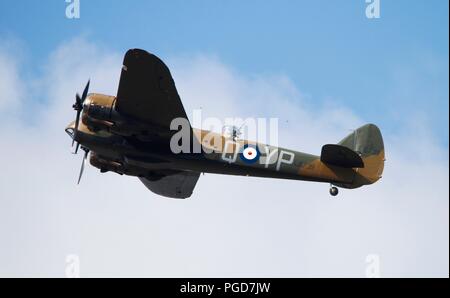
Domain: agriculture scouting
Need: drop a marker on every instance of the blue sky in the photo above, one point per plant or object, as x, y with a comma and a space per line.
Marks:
387, 70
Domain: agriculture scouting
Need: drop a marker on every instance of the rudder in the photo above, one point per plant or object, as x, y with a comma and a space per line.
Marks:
367, 141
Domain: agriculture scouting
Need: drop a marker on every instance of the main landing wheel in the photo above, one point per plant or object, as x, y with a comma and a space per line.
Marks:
334, 191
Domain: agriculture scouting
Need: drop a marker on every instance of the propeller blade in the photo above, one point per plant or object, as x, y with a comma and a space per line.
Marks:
75, 131
86, 152
76, 148
78, 106
85, 92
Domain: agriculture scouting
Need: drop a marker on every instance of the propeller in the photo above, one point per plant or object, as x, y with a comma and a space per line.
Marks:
86, 152
78, 107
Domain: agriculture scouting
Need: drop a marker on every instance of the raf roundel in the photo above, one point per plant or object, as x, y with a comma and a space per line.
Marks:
250, 154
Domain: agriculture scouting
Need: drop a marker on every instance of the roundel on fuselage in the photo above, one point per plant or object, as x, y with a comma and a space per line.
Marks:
250, 153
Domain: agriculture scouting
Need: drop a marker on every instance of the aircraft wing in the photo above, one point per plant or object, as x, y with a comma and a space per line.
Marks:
147, 91
177, 185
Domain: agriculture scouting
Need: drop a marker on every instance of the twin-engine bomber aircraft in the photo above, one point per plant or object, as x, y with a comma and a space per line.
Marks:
131, 134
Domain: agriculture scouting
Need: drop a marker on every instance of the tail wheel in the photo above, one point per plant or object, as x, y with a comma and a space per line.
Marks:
334, 191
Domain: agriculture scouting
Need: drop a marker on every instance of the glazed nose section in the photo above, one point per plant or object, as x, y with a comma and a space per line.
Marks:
70, 129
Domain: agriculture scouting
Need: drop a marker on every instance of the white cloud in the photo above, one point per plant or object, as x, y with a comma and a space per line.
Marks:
232, 226
10, 83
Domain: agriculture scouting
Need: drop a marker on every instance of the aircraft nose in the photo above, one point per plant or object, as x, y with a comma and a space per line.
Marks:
70, 129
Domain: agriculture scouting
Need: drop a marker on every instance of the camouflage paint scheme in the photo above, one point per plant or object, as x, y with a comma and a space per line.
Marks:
126, 142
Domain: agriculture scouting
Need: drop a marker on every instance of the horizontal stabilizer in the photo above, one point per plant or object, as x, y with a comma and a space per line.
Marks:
341, 156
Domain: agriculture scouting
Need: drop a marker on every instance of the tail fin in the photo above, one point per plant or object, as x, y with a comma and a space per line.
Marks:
367, 141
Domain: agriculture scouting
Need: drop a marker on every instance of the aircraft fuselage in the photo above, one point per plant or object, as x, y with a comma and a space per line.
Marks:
127, 154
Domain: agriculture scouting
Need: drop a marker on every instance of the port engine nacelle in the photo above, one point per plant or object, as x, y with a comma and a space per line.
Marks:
99, 113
